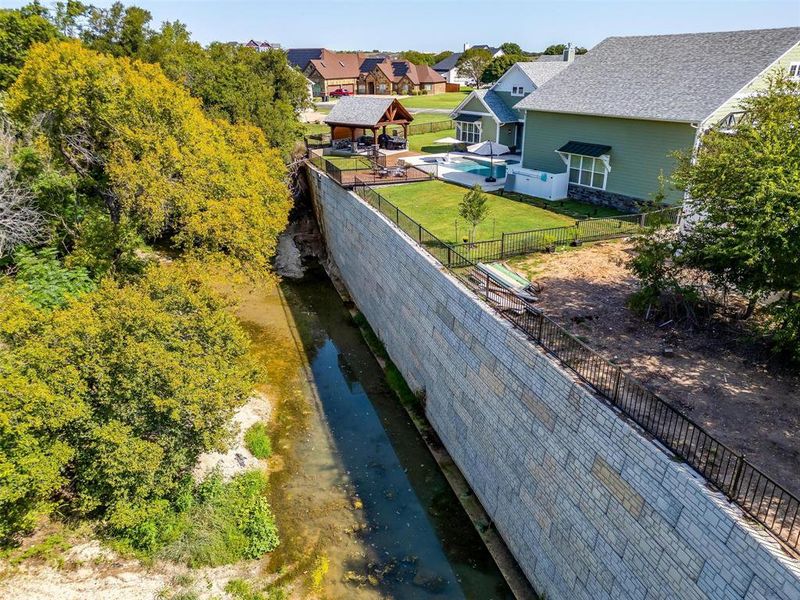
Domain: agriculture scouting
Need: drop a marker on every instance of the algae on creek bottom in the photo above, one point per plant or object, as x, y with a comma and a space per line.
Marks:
352, 482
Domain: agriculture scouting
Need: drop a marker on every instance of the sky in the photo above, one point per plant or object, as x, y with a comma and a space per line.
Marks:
435, 25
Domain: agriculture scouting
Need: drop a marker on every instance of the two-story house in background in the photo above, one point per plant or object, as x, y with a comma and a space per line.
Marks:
489, 114
449, 71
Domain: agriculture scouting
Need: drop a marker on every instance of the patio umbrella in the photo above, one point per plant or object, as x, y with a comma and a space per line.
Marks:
450, 141
488, 148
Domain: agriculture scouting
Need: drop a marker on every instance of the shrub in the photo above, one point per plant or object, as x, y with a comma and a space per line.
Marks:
256, 439
128, 386
226, 523
45, 281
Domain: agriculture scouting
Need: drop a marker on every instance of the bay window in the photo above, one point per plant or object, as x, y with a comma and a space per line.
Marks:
469, 133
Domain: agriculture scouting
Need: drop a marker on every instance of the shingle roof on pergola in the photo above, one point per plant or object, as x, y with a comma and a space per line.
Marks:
368, 113
360, 112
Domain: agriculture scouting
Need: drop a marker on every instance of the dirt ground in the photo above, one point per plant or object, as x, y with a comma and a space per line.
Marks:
719, 377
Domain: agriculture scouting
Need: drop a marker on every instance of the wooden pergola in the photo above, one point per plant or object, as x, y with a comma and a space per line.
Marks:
352, 116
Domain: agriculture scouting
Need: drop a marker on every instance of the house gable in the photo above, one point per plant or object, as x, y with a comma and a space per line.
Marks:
759, 83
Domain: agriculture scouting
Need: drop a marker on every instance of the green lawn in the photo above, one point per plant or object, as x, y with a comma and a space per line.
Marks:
349, 162
424, 142
446, 100
435, 205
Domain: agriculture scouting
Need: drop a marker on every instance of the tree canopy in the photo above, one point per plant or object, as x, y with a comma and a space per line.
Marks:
114, 395
558, 49
499, 65
145, 146
511, 48
19, 30
473, 62
743, 189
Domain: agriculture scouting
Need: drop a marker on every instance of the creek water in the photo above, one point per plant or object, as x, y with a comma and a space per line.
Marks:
362, 507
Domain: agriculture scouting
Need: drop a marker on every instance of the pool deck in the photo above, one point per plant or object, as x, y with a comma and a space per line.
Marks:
441, 170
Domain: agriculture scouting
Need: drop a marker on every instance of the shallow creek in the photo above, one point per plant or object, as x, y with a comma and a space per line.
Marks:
362, 507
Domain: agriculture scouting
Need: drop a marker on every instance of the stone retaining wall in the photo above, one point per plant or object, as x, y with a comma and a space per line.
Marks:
589, 506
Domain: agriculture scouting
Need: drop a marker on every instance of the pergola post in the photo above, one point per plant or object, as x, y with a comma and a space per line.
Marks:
353, 145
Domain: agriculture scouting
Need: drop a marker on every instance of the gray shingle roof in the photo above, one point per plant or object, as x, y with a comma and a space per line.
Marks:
539, 73
501, 110
358, 110
447, 63
683, 77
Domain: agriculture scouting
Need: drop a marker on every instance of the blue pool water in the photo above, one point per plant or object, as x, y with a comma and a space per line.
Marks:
467, 165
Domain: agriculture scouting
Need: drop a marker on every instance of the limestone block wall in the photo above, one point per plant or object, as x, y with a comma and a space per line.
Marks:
589, 506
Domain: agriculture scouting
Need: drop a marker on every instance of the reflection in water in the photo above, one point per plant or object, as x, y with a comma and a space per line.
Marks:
352, 480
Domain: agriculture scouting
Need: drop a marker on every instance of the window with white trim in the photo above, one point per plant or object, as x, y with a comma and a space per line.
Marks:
794, 70
468, 132
587, 171
517, 91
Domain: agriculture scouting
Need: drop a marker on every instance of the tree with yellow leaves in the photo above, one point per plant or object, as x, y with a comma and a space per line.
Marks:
145, 147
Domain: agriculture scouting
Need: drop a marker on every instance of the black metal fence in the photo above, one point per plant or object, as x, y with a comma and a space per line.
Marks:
430, 127
757, 494
586, 230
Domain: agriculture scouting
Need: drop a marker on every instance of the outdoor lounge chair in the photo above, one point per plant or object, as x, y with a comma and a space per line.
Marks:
508, 279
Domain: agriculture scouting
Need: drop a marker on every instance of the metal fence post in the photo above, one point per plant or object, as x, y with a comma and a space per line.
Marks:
396, 215
419, 233
502, 245
616, 385
737, 476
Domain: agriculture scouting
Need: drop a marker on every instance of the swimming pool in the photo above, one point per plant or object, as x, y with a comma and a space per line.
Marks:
468, 165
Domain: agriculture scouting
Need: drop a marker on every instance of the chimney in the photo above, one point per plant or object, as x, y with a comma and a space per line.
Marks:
467, 46
569, 53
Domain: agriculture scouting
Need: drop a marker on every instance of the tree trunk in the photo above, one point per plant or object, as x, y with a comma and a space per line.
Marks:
751, 306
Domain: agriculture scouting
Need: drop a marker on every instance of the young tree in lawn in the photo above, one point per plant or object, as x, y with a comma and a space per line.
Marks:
472, 63
473, 209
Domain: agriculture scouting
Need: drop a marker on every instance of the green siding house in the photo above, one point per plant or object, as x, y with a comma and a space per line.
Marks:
605, 129
489, 115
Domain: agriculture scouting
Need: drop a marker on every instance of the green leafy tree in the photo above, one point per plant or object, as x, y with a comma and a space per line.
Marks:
473, 62
418, 58
70, 17
144, 146
441, 56
746, 185
497, 68
19, 30
117, 30
474, 209
743, 185
134, 382
511, 48
558, 49
234, 82
45, 282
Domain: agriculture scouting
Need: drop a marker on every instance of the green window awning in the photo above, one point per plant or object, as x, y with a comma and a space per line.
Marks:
468, 118
584, 149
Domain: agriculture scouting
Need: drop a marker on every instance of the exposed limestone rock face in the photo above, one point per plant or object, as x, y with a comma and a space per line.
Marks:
237, 459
